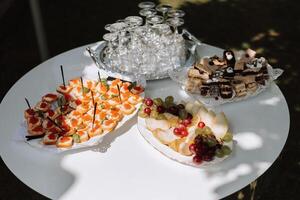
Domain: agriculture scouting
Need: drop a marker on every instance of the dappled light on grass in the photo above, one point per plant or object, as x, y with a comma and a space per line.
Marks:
179, 3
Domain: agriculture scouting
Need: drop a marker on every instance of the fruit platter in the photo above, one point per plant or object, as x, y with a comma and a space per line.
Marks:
235, 76
186, 132
81, 113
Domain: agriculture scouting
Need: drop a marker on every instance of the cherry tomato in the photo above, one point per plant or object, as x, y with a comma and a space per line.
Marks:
177, 131
147, 111
184, 133
201, 124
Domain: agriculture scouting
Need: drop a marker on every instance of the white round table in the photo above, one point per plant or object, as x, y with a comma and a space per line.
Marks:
125, 166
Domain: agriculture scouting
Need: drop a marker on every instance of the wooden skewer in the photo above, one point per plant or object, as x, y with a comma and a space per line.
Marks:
28, 104
32, 137
119, 93
95, 108
62, 74
82, 88
54, 123
93, 97
99, 77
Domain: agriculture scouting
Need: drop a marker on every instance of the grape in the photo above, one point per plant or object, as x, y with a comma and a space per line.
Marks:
197, 159
227, 137
149, 102
226, 150
158, 101
219, 153
147, 111
207, 158
180, 106
173, 110
169, 100
182, 114
160, 109
154, 114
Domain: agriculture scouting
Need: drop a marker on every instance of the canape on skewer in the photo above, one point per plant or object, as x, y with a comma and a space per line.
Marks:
33, 122
42, 106
50, 139
64, 89
50, 97
83, 134
127, 108
37, 130
95, 130
29, 113
64, 142
108, 125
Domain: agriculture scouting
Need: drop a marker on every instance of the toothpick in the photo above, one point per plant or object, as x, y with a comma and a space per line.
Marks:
28, 104
62, 74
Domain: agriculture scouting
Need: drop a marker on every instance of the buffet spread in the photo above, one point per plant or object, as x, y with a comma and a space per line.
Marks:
138, 48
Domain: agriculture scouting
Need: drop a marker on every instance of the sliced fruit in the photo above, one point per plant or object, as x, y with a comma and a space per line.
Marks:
153, 124
219, 126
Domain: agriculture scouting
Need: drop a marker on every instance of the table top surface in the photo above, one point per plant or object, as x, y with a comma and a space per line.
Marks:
125, 165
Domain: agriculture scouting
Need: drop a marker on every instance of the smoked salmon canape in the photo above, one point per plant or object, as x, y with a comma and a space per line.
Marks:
64, 142
29, 113
50, 138
38, 130
96, 130
135, 99
34, 121
127, 108
115, 114
42, 106
75, 82
64, 89
83, 135
124, 87
50, 97
47, 124
137, 90
51, 114
109, 125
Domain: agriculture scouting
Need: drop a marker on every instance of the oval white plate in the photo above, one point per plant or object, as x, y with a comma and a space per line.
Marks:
170, 153
38, 143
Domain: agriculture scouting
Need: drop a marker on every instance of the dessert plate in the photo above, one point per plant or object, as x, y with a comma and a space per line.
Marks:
180, 76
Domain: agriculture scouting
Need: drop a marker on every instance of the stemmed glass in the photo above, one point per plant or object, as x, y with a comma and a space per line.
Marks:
175, 23
110, 38
175, 13
146, 5
163, 9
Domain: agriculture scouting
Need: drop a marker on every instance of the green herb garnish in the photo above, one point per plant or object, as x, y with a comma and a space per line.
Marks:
76, 138
85, 90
